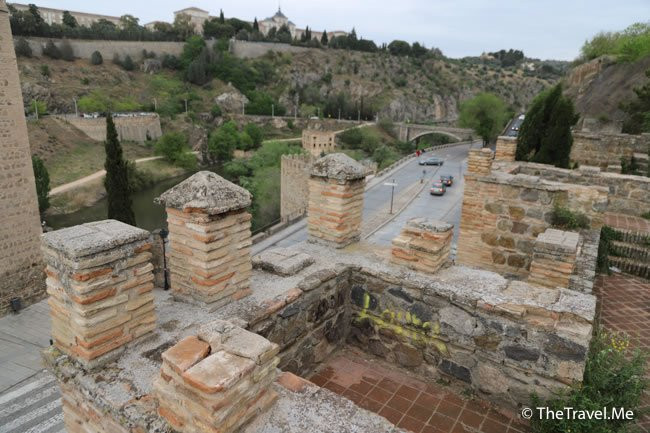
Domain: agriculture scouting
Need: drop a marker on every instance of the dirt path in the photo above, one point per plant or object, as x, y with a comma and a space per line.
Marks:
96, 175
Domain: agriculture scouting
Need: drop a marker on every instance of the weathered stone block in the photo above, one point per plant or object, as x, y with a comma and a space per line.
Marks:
423, 245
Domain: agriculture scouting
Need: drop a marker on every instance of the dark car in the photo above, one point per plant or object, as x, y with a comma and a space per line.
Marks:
447, 180
438, 188
431, 161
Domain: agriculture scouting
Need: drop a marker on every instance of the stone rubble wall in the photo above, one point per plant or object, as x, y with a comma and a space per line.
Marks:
216, 381
82, 415
100, 300
335, 211
129, 128
602, 150
209, 255
554, 258
423, 245
505, 349
21, 261
294, 191
503, 213
628, 194
252, 50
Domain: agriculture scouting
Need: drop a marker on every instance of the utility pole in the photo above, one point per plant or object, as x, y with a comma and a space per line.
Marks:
155, 104
243, 108
36, 109
392, 184
76, 112
359, 116
318, 112
186, 106
272, 110
339, 113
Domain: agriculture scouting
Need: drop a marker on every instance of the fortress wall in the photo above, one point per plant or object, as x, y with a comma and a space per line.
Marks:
294, 185
138, 128
251, 50
21, 268
601, 150
84, 48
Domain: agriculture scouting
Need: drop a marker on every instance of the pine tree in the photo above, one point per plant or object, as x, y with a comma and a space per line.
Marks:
118, 190
324, 40
256, 26
42, 183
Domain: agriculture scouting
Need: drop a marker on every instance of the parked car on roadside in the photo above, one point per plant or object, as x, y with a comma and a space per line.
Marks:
447, 180
438, 188
431, 161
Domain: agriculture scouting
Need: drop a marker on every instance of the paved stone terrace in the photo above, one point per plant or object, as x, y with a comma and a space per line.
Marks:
627, 222
408, 402
625, 307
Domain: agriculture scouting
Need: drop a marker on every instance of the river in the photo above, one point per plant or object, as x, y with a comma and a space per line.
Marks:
148, 215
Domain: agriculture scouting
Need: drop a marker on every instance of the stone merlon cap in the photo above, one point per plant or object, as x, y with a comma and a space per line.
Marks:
206, 191
92, 238
429, 225
338, 166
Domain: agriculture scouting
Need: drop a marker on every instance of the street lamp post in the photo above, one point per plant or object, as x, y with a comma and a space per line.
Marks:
392, 185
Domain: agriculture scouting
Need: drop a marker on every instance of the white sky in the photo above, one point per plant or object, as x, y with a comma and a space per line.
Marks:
547, 29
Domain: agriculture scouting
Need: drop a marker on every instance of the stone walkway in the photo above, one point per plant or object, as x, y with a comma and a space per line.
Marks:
625, 307
408, 402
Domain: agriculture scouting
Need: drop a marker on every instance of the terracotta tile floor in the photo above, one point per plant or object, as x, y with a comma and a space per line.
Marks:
625, 307
407, 402
627, 222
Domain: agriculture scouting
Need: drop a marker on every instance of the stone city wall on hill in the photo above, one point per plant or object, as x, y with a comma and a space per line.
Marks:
21, 265
252, 50
602, 150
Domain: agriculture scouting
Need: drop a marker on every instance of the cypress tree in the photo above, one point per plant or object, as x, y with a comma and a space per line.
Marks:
545, 135
42, 183
118, 190
324, 40
256, 26
222, 19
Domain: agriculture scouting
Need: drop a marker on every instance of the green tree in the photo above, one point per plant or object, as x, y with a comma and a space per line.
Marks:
638, 110
256, 26
183, 26
67, 53
42, 183
51, 50
486, 114
222, 19
69, 20
174, 148
399, 48
223, 142
22, 48
96, 58
116, 182
545, 135
128, 64
255, 133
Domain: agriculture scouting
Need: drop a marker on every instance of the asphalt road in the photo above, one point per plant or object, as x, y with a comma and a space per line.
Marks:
377, 198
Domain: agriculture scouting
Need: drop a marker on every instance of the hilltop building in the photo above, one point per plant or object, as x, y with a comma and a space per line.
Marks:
55, 16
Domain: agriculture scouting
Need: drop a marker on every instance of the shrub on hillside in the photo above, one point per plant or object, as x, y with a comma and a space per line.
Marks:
51, 50
566, 219
96, 58
128, 64
67, 53
174, 148
22, 48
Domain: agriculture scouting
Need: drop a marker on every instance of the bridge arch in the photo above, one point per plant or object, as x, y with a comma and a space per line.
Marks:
449, 134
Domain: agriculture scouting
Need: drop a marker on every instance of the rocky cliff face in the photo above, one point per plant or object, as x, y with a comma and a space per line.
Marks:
601, 85
399, 87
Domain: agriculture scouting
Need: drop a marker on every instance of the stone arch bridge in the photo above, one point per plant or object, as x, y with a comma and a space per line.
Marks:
411, 131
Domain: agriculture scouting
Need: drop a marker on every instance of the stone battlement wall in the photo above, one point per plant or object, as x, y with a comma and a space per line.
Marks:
136, 128
251, 50
601, 150
628, 194
21, 267
294, 185
503, 213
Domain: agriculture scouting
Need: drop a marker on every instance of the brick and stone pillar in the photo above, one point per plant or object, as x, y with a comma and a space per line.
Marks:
554, 258
480, 161
100, 282
423, 245
209, 239
217, 380
21, 261
506, 148
336, 187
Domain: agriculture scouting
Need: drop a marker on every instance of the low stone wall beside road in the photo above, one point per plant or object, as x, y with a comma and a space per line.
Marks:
252, 50
138, 128
602, 150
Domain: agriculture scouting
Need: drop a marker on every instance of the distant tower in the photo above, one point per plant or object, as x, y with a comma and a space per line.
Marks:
21, 268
